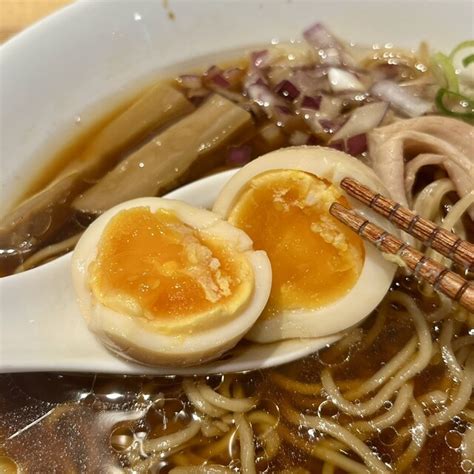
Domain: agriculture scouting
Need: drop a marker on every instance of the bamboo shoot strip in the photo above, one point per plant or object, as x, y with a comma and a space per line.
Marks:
157, 107
162, 162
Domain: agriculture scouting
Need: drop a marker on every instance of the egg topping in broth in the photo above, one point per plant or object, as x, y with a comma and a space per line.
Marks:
164, 283
325, 278
315, 259
153, 265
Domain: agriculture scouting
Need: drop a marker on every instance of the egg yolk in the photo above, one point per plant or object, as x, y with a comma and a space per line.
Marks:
153, 265
315, 259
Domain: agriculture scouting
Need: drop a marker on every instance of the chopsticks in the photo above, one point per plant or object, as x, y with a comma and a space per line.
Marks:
446, 243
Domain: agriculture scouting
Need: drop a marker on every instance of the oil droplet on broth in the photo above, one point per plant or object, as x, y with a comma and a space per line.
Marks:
388, 436
121, 438
467, 465
453, 439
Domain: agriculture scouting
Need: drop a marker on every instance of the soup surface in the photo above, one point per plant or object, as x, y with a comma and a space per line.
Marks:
394, 394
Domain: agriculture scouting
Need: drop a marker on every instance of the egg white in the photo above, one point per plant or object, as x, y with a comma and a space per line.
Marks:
377, 273
134, 338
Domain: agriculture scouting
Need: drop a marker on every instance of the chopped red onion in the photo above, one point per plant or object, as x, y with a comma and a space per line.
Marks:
259, 58
310, 81
318, 35
362, 119
342, 80
401, 99
330, 50
255, 77
311, 102
264, 96
357, 144
322, 40
190, 81
215, 75
330, 126
277, 74
287, 90
239, 155
220, 81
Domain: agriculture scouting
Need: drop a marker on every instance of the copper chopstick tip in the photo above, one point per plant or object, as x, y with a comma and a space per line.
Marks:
441, 278
431, 235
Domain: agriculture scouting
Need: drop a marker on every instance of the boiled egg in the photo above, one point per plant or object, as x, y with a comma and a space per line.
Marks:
164, 283
325, 277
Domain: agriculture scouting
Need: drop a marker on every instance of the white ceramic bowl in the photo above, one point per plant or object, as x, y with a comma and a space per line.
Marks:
84, 60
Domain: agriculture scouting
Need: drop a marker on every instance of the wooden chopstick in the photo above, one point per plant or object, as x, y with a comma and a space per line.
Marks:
443, 241
447, 282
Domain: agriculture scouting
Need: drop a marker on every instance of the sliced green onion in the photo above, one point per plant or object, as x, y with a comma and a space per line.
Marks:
440, 97
446, 66
468, 60
460, 46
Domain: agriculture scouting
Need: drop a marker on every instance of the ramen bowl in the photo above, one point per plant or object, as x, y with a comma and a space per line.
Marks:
60, 79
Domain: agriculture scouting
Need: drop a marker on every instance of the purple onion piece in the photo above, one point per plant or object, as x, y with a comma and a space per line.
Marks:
220, 81
258, 58
322, 39
311, 102
287, 90
309, 79
357, 144
212, 71
318, 35
255, 77
239, 155
215, 75
263, 95
330, 126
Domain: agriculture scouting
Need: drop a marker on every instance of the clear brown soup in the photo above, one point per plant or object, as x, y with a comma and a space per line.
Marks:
89, 423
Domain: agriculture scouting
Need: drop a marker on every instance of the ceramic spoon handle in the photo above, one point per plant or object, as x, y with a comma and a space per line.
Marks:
40, 324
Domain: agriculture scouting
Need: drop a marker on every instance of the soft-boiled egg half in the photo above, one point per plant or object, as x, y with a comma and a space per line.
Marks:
325, 278
164, 283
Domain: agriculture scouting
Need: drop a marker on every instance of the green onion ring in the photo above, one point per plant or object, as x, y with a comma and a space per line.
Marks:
469, 115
